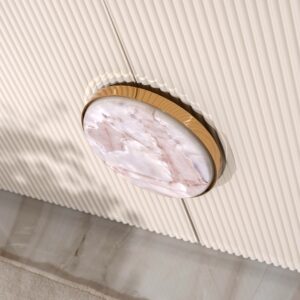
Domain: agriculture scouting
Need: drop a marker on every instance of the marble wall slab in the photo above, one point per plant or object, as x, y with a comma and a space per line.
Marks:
130, 262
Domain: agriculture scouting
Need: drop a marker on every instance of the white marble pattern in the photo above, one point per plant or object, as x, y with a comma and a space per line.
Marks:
151, 148
129, 262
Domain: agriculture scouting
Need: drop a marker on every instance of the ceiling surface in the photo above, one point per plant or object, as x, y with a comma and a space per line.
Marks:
236, 62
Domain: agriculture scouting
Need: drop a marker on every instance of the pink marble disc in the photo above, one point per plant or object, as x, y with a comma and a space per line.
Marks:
150, 147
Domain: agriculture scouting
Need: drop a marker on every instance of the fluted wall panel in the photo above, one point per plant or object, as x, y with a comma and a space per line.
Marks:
237, 63
51, 51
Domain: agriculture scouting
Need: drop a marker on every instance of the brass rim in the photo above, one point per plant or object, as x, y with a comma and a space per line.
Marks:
174, 110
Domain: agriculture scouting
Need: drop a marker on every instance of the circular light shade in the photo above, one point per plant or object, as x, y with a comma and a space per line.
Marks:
152, 141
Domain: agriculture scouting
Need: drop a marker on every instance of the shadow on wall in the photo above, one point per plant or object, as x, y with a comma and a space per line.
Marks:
230, 166
55, 171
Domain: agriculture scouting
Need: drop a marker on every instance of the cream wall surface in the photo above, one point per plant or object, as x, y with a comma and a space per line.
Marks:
237, 63
50, 51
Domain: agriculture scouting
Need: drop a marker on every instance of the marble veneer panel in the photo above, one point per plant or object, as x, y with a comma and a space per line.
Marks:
128, 262
148, 146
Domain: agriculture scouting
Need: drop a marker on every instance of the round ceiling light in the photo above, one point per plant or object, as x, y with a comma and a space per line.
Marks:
151, 140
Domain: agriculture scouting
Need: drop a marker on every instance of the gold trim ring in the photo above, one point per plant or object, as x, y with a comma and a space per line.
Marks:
172, 109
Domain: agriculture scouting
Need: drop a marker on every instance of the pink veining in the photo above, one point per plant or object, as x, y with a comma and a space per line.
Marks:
148, 146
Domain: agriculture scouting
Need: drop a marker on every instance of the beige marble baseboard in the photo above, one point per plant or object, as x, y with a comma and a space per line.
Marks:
127, 263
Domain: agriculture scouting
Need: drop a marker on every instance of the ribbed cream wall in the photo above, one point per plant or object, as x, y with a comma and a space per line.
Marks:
50, 51
236, 62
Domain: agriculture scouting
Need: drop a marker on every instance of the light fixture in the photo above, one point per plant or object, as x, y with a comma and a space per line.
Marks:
151, 140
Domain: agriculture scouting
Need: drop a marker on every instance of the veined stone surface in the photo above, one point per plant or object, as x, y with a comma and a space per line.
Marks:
147, 145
